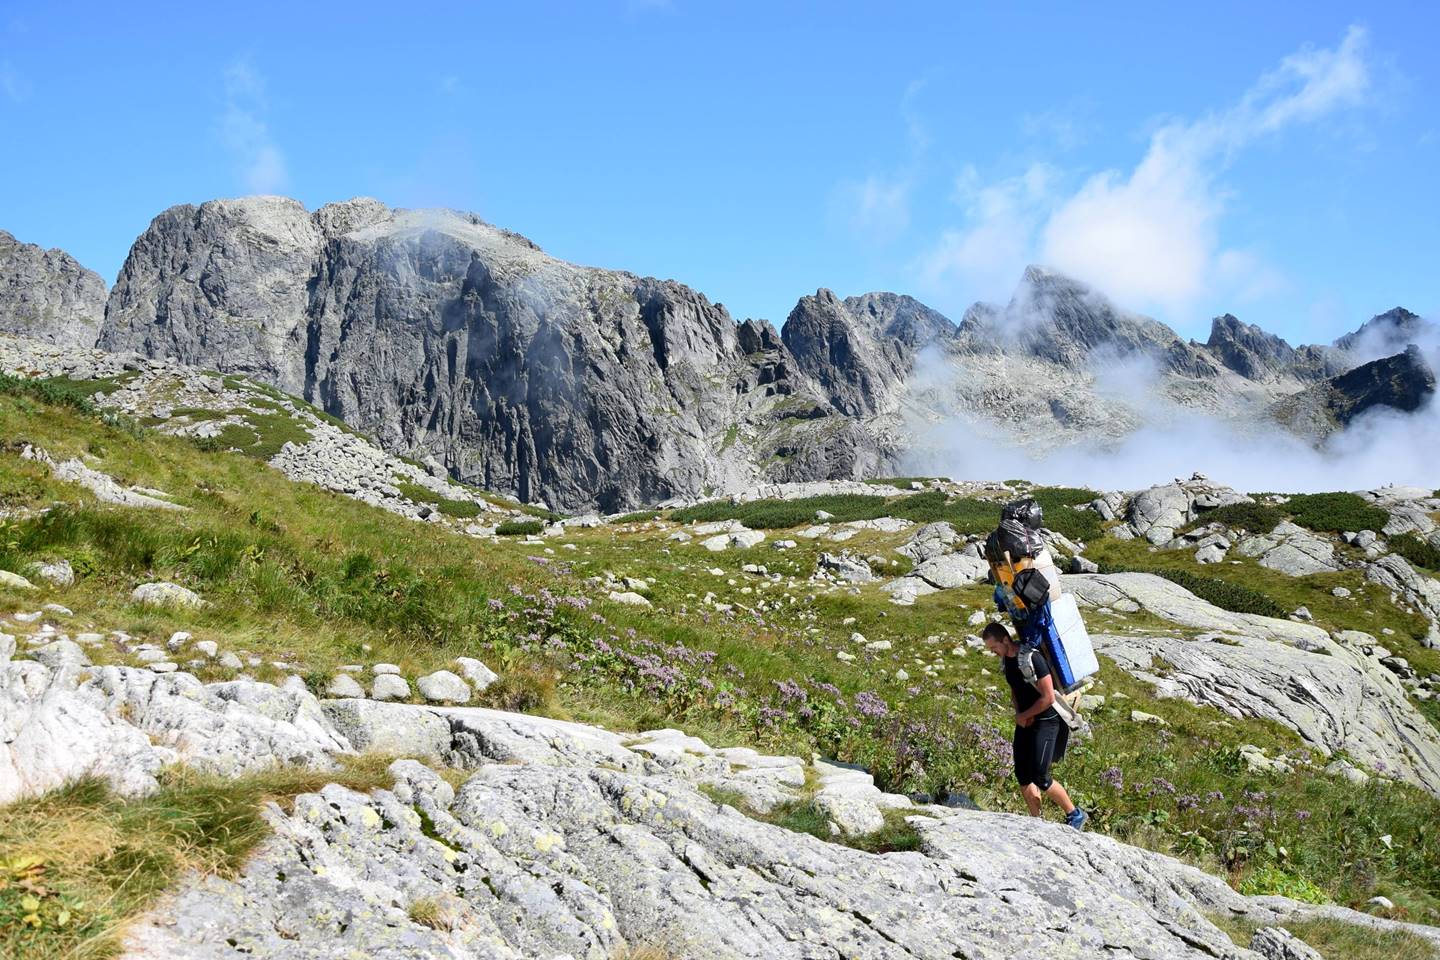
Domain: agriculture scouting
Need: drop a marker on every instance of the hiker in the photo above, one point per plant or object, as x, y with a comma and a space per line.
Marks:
1040, 734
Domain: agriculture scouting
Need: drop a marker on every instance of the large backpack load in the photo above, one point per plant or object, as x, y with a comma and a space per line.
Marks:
1027, 587
1018, 535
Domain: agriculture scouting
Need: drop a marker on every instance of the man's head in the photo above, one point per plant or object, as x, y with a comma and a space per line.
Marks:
998, 641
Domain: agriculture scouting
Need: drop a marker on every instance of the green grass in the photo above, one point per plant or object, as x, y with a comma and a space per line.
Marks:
462, 509
79, 862
1337, 940
294, 571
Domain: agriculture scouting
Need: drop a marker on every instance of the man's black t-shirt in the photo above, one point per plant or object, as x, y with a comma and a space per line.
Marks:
1025, 694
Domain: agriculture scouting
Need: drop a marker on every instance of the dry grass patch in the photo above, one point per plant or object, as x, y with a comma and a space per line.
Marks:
78, 863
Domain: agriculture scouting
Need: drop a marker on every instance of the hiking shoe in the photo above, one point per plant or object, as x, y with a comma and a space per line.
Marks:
1076, 818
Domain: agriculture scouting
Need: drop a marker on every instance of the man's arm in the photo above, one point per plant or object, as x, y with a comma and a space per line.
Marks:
1046, 688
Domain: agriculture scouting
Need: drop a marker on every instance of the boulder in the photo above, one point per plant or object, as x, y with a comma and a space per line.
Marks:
389, 686
930, 541
1291, 550
1156, 513
393, 728
476, 673
14, 581
343, 685
442, 686
845, 566
952, 570
629, 598
164, 594
59, 573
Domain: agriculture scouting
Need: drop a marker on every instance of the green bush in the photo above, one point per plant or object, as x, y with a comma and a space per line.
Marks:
1335, 512
778, 514
1222, 593
1052, 497
1417, 551
639, 516
451, 508
63, 393
1254, 517
519, 528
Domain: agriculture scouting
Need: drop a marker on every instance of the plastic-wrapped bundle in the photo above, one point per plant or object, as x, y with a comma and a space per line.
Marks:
1018, 533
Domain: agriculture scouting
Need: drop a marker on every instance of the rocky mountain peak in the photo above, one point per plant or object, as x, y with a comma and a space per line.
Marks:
47, 295
1247, 349
1388, 333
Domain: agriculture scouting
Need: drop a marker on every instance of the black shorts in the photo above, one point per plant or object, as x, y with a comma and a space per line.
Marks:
1037, 747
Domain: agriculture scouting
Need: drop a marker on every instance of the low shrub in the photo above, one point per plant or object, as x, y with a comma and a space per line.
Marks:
1253, 517
1419, 552
1335, 512
519, 528
639, 516
1222, 593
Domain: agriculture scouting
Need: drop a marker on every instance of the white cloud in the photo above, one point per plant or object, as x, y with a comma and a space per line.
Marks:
245, 133
988, 256
877, 208
1150, 237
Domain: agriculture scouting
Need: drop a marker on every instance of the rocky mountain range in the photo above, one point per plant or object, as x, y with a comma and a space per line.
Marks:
467, 348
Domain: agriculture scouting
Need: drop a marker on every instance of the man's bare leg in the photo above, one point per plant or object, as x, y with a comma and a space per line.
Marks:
1031, 793
1058, 794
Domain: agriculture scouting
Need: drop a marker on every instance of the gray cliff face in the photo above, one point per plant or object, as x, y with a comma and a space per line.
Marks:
1402, 382
47, 295
455, 342
847, 348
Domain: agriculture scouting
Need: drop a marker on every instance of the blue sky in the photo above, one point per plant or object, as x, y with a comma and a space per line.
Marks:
1272, 160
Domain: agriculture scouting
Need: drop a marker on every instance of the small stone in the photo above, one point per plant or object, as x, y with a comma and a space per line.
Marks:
442, 686
14, 581
344, 686
476, 673
230, 661
1340, 592
845, 656
876, 646
1140, 716
976, 618
165, 666
208, 648
150, 656
383, 668
1302, 613
388, 686
629, 598
58, 573
1384, 903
